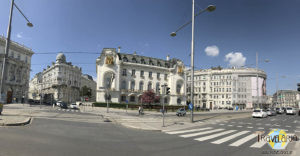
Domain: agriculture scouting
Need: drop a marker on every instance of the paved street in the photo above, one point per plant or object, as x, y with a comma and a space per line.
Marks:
68, 137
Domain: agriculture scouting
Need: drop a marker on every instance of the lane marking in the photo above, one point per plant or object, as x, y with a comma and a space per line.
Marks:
229, 137
186, 131
249, 127
214, 135
230, 125
243, 140
200, 133
239, 126
287, 126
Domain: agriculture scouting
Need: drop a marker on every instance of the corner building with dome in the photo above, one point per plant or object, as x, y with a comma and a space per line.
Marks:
124, 77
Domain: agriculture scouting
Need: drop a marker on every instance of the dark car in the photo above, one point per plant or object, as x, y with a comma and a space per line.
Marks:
181, 112
63, 105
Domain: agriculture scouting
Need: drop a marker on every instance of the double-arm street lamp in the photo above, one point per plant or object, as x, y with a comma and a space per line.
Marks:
29, 24
210, 8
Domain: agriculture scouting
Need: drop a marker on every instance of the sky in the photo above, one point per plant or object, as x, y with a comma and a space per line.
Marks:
229, 36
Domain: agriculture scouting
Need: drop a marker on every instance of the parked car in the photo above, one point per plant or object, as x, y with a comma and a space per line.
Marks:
259, 113
63, 105
290, 110
73, 106
279, 110
271, 112
181, 112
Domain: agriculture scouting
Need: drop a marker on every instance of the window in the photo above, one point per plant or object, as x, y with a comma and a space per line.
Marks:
132, 85
134, 60
178, 88
166, 76
123, 84
125, 59
149, 85
143, 61
141, 87
133, 72
158, 76
157, 87
142, 73
178, 101
150, 74
124, 72
123, 98
132, 99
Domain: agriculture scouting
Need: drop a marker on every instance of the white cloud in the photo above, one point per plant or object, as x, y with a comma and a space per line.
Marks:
235, 59
19, 35
212, 51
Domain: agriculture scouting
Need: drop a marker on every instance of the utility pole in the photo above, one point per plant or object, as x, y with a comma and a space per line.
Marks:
192, 61
257, 92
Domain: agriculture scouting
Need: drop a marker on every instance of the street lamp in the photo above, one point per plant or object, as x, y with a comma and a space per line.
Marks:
173, 34
29, 24
257, 92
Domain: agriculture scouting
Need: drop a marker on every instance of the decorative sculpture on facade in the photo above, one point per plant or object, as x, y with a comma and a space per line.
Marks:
109, 60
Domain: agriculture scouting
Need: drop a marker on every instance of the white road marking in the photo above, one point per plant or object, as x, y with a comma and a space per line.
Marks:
287, 126
297, 131
232, 122
249, 127
229, 137
221, 124
239, 126
259, 144
214, 135
230, 125
241, 123
249, 123
186, 131
200, 133
243, 140
261, 128
295, 121
268, 124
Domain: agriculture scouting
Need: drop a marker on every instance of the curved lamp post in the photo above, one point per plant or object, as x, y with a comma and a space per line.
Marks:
210, 8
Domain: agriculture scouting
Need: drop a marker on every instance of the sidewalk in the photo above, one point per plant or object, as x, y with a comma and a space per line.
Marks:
153, 120
15, 115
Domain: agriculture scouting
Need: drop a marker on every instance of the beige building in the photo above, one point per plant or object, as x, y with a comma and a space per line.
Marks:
227, 88
87, 80
17, 71
286, 98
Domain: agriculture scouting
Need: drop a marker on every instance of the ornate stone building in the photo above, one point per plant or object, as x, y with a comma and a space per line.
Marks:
126, 76
60, 82
286, 98
223, 88
18, 71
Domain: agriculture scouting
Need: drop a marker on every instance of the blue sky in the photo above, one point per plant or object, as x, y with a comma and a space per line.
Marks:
269, 27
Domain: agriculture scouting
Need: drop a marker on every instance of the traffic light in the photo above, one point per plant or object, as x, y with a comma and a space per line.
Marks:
188, 102
298, 87
168, 90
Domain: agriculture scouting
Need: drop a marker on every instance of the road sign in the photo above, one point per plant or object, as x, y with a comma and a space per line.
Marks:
190, 106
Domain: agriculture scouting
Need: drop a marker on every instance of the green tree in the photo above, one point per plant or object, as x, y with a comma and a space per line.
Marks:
86, 91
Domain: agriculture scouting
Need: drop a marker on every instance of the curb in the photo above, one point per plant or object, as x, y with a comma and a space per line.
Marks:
18, 123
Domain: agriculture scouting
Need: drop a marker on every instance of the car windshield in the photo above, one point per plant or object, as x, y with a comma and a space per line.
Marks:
256, 111
289, 108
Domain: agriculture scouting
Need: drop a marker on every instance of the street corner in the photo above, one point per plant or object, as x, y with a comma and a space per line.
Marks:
15, 121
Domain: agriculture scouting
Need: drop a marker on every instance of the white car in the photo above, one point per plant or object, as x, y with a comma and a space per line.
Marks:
58, 103
73, 106
259, 113
290, 110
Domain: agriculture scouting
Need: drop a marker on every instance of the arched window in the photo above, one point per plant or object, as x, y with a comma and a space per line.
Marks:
132, 85
125, 59
123, 84
141, 87
149, 85
150, 62
178, 88
158, 63
179, 101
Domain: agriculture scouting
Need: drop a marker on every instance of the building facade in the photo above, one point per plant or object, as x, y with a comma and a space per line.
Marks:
227, 88
124, 77
286, 98
87, 81
60, 82
16, 82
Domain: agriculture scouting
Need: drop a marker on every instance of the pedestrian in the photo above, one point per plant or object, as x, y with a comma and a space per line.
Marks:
140, 110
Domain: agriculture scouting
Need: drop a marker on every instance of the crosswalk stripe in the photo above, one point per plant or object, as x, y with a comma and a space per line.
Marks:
258, 144
214, 135
186, 131
239, 126
230, 137
230, 125
249, 127
200, 133
243, 140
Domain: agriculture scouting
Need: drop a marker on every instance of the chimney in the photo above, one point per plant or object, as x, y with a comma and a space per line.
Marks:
119, 49
168, 57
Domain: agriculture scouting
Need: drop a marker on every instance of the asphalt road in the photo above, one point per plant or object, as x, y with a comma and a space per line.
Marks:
45, 137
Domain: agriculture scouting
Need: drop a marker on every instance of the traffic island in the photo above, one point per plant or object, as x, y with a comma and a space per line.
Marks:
14, 120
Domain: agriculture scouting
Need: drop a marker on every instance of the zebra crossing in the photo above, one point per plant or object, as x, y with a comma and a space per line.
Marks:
217, 136
68, 110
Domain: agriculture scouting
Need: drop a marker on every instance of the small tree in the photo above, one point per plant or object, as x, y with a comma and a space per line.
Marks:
86, 91
148, 97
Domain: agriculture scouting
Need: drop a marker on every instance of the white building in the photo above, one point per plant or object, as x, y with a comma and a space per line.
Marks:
17, 71
286, 98
227, 88
127, 76
59, 82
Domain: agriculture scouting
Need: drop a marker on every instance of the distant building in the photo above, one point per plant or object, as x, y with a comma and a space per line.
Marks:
60, 82
286, 98
17, 71
127, 76
87, 81
227, 88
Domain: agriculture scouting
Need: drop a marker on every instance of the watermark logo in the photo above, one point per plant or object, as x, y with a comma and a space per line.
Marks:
277, 139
